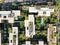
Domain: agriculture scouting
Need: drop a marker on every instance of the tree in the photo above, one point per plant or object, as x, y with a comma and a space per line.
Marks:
20, 44
34, 44
3, 44
56, 35
21, 36
22, 25
14, 6
57, 2
10, 30
38, 22
57, 5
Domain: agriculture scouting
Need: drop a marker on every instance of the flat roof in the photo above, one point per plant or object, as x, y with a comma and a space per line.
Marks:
41, 43
9, 12
41, 10
27, 42
5, 12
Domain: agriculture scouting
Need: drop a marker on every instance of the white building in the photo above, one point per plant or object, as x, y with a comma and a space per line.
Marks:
10, 38
13, 37
41, 11
28, 43
9, 15
30, 26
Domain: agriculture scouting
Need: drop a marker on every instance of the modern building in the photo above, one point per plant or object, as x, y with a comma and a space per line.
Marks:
13, 37
51, 38
9, 15
5, 18
41, 42
41, 11
29, 26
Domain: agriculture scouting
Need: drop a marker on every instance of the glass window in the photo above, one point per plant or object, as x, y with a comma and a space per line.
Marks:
11, 41
12, 14
44, 12
4, 16
0, 15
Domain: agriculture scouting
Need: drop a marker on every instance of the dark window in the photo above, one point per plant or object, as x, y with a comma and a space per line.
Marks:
14, 32
27, 28
12, 14
9, 15
44, 0
44, 12
11, 41
0, 15
4, 16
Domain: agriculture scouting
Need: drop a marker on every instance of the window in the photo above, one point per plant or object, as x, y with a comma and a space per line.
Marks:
4, 16
14, 32
12, 14
27, 28
44, 12
11, 41
0, 15
38, 7
44, 0
9, 15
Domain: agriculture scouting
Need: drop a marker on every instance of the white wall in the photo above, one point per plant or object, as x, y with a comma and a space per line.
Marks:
10, 38
41, 42
28, 43
41, 10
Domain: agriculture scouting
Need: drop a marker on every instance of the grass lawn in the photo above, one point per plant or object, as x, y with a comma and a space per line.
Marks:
58, 43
